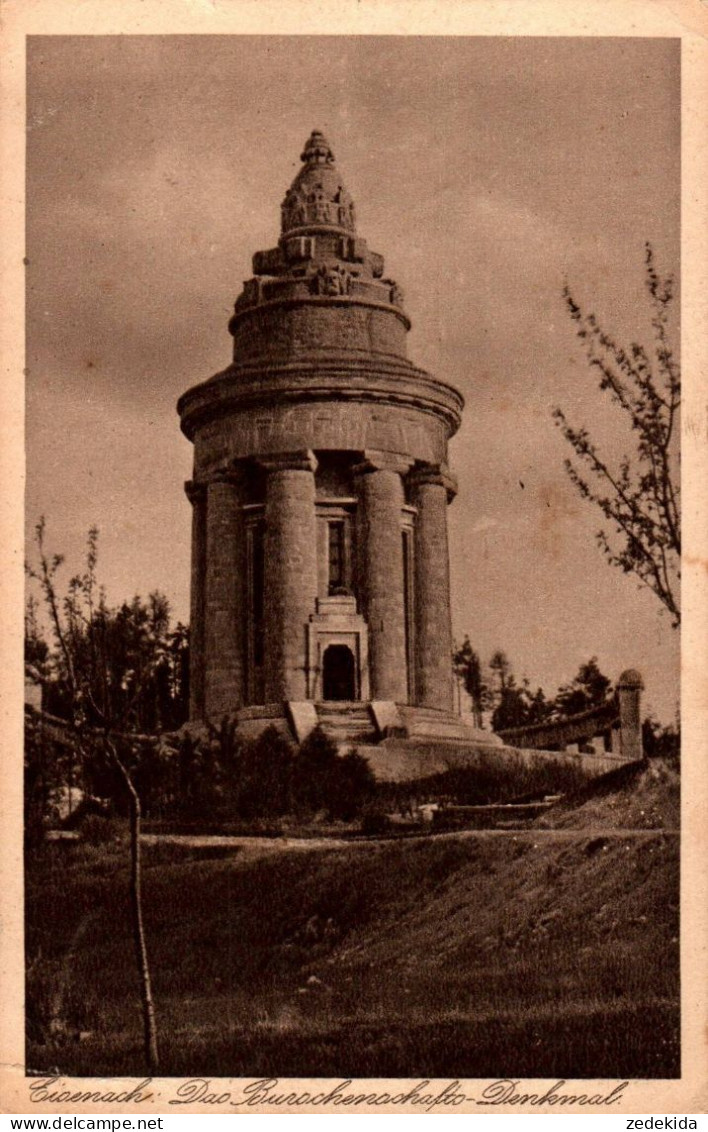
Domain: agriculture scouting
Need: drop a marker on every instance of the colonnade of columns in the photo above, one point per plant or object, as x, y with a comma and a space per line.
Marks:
218, 676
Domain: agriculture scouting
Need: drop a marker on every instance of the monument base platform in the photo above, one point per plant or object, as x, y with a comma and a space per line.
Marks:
401, 742
367, 722
405, 760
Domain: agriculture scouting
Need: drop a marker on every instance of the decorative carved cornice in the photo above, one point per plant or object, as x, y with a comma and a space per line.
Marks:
246, 307
331, 280
437, 474
377, 461
231, 475
194, 491
386, 381
302, 461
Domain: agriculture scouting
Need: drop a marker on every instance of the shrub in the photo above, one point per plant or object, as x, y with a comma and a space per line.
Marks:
314, 772
493, 778
263, 777
353, 784
220, 777
325, 780
375, 823
87, 807
97, 829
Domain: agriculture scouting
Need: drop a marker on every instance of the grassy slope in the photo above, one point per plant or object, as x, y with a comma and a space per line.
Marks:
528, 955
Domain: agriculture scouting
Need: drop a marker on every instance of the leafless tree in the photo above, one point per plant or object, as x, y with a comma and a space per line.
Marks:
93, 723
640, 498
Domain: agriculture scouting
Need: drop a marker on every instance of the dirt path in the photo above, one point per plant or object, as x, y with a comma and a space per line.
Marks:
295, 844
598, 831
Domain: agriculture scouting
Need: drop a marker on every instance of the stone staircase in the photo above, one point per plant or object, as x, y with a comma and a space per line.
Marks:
346, 723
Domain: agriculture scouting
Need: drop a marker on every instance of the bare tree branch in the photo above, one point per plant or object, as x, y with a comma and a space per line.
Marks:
644, 494
83, 671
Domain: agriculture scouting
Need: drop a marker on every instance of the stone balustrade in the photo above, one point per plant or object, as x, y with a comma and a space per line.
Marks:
618, 722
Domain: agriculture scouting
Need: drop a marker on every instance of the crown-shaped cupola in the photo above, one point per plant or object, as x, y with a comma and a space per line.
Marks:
321, 274
317, 198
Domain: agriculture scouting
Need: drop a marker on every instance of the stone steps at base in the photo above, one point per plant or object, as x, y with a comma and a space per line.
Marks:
346, 723
342, 707
335, 717
344, 720
359, 731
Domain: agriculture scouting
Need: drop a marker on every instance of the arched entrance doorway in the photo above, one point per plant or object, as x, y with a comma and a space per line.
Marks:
338, 673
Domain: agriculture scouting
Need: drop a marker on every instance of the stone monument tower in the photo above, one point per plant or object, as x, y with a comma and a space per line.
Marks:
320, 581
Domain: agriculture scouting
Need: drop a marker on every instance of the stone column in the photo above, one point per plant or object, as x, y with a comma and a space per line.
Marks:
380, 568
629, 688
196, 493
290, 572
224, 666
432, 490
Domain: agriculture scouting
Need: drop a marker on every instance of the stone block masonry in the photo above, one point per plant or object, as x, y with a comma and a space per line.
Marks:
319, 552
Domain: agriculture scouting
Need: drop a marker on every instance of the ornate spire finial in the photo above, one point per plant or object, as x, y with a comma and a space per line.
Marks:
317, 150
317, 197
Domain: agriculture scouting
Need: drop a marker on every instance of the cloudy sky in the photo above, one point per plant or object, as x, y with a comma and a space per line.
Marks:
487, 171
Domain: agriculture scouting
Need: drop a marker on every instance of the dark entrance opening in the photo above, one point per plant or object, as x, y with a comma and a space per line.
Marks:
338, 677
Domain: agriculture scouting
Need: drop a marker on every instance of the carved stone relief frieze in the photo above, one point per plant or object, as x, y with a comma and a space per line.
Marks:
331, 279
349, 426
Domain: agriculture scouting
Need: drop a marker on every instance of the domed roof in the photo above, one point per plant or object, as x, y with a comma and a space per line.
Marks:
317, 197
630, 678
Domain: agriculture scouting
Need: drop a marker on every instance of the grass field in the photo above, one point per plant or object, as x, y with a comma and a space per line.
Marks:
522, 955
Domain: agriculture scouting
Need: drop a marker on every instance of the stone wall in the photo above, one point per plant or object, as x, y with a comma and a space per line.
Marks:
402, 760
284, 333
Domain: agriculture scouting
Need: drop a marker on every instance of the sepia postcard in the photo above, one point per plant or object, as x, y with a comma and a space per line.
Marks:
354, 634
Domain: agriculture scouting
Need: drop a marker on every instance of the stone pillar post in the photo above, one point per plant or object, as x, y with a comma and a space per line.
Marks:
290, 572
629, 688
381, 574
432, 490
224, 602
196, 493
